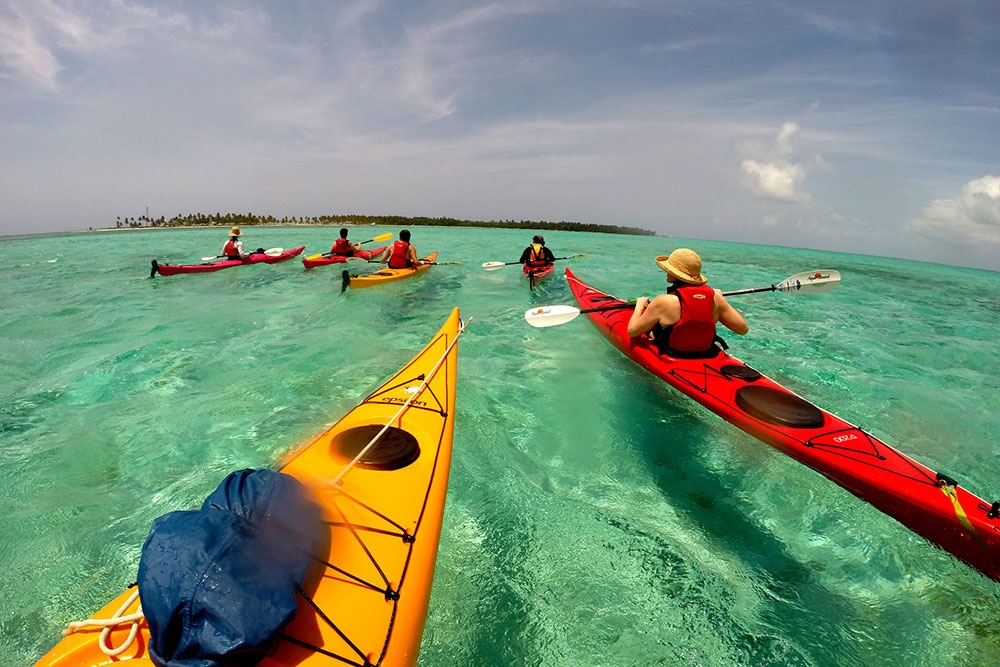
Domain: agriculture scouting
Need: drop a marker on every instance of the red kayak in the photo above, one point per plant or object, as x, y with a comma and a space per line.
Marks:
271, 256
312, 261
929, 503
537, 274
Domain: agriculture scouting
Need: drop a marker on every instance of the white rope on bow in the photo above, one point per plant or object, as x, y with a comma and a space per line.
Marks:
109, 624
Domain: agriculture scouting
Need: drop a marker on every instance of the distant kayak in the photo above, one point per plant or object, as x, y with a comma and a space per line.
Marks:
537, 274
380, 477
929, 503
313, 261
388, 275
267, 257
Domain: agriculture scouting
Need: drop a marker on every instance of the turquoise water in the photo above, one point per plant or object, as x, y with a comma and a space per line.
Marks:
594, 515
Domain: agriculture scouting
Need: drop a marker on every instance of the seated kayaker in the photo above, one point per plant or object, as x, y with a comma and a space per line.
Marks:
536, 255
234, 246
401, 255
682, 321
342, 247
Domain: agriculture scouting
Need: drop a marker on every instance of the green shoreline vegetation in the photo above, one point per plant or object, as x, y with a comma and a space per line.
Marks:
248, 219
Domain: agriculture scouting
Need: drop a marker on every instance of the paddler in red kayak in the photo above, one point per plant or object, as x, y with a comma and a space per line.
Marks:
537, 256
342, 247
234, 246
401, 255
682, 321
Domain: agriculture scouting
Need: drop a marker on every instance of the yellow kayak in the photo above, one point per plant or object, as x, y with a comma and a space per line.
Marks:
387, 275
380, 475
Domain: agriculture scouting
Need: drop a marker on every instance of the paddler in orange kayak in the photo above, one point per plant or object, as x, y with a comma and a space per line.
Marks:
682, 321
401, 255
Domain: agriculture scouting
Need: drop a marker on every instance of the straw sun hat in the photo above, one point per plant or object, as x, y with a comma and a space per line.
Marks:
683, 264
235, 231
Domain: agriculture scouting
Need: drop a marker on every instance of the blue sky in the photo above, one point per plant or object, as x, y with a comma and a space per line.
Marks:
869, 126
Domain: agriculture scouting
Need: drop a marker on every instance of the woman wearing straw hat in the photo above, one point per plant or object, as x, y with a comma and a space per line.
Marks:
682, 321
234, 246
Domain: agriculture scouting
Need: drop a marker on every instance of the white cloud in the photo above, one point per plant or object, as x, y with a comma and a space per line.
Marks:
775, 180
971, 218
768, 171
39, 37
24, 56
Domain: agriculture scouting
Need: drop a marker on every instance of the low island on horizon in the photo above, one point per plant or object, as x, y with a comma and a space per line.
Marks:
250, 219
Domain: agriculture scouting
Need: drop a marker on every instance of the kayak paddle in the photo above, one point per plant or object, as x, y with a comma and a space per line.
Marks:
273, 252
380, 237
807, 282
493, 266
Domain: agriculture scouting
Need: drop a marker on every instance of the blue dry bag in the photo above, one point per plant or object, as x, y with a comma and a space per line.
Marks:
218, 584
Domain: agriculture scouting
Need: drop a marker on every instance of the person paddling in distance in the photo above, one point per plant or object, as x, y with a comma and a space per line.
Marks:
401, 255
234, 246
536, 255
682, 321
342, 247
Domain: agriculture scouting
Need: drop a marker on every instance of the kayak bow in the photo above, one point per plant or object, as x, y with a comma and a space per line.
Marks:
380, 475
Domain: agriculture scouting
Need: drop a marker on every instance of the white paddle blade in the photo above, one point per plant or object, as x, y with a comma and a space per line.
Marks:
810, 282
550, 316
274, 252
493, 266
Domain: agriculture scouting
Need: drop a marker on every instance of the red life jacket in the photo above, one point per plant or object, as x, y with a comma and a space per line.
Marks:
398, 260
695, 330
230, 250
342, 247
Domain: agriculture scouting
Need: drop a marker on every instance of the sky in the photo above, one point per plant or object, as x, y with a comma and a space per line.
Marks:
869, 126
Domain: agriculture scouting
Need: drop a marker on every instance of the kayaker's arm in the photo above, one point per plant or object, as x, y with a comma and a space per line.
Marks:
730, 317
645, 316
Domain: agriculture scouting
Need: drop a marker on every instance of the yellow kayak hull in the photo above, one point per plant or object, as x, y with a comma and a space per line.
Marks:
370, 588
388, 275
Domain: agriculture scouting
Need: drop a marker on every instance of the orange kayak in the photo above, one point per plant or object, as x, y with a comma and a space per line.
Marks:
388, 275
380, 475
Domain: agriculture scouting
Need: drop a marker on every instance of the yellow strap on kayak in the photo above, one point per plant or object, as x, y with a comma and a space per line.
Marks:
951, 491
